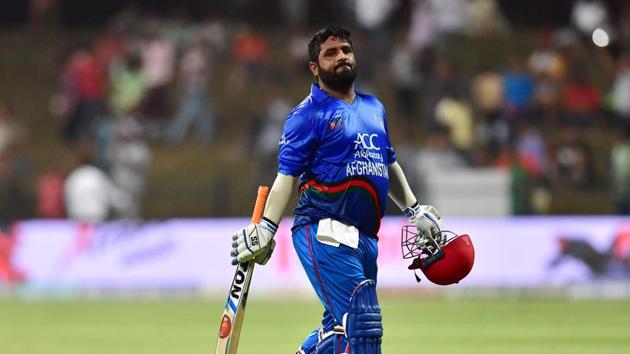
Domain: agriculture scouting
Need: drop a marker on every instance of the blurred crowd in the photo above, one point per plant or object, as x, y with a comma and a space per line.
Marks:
548, 117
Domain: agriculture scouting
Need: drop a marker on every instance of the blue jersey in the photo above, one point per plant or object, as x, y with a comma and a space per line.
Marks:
341, 152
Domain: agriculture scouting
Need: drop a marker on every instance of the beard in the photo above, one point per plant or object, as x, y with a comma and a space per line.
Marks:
340, 78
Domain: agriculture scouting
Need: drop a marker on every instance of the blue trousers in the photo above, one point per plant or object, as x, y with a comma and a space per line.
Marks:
334, 272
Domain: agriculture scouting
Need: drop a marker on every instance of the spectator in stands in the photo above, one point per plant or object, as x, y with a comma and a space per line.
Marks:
493, 129
129, 158
487, 92
620, 172
439, 79
371, 16
127, 85
158, 65
548, 68
127, 89
545, 107
532, 149
518, 88
81, 100
455, 112
492, 133
485, 18
195, 108
545, 59
421, 32
580, 100
49, 193
111, 47
450, 16
533, 153
250, 51
527, 161
509, 159
572, 161
121, 150
90, 195
216, 33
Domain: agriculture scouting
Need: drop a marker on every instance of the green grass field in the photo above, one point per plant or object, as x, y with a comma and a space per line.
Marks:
422, 325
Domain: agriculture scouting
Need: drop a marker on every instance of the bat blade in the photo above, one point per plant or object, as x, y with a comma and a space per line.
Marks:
232, 319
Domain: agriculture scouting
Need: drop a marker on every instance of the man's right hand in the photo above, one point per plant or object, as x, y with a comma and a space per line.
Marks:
254, 241
263, 257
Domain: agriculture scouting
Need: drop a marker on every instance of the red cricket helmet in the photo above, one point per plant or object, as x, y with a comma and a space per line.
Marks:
445, 262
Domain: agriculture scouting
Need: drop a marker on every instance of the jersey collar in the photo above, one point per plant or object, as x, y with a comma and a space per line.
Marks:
320, 95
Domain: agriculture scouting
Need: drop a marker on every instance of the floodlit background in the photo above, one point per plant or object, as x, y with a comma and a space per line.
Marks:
133, 136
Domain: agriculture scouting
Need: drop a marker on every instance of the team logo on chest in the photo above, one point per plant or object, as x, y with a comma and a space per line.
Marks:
366, 141
367, 159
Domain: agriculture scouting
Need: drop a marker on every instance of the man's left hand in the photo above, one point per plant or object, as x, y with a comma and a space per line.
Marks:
427, 221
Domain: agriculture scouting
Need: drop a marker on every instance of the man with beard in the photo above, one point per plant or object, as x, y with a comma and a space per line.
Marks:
336, 143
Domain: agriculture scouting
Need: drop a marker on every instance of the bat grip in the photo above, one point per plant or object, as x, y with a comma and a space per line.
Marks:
259, 207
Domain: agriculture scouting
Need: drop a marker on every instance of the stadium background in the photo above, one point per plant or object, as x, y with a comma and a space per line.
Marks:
523, 101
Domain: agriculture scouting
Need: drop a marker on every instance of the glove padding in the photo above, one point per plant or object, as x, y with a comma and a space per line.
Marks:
265, 255
427, 221
254, 242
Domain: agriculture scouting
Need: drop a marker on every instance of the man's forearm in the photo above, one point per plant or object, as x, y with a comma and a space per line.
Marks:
278, 198
399, 189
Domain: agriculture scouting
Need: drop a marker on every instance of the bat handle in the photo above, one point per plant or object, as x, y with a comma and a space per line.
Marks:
259, 207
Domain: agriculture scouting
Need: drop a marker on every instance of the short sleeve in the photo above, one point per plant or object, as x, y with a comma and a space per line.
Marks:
297, 144
389, 149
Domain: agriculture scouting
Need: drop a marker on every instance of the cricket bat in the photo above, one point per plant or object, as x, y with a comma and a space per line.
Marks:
232, 319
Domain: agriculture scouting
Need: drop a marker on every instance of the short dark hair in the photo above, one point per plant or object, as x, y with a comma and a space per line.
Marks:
315, 45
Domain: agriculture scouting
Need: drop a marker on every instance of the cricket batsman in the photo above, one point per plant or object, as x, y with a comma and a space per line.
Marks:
336, 143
